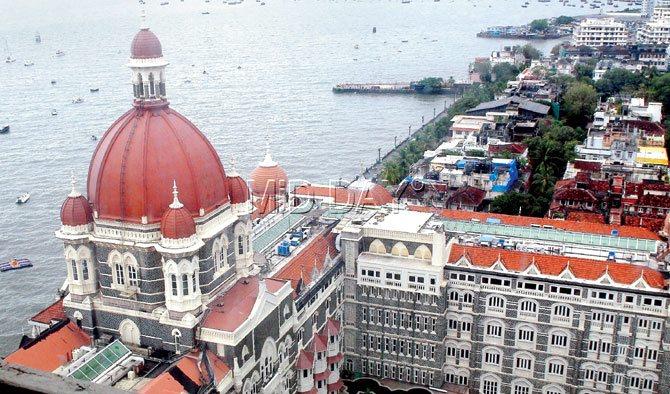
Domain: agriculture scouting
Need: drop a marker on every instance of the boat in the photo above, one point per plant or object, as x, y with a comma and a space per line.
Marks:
15, 264
53, 81
93, 138
60, 53
54, 112
28, 63
406, 1
374, 29
77, 100
94, 90
205, 12
22, 199
9, 59
38, 38
4, 129
165, 3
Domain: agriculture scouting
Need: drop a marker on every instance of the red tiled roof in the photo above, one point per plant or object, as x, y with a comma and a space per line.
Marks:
468, 196
575, 195
526, 221
588, 166
314, 254
319, 343
336, 386
310, 391
649, 128
514, 148
322, 376
190, 366
229, 310
305, 360
554, 265
654, 224
335, 359
651, 200
53, 312
599, 185
332, 327
51, 349
586, 217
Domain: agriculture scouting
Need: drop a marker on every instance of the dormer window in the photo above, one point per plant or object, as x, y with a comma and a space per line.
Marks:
120, 279
84, 269
75, 274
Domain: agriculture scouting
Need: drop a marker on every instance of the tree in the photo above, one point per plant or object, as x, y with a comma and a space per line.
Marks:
504, 72
584, 72
530, 52
564, 20
579, 102
511, 203
484, 70
430, 85
539, 25
660, 90
619, 80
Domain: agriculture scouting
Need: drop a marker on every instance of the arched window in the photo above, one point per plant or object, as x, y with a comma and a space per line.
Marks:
495, 329
552, 389
176, 335
377, 247
490, 384
152, 90
467, 298
223, 253
521, 386
561, 310
556, 367
240, 244
184, 284
120, 278
526, 333
453, 295
195, 282
423, 253
84, 269
559, 338
140, 86
528, 306
173, 282
75, 274
399, 249
496, 301
523, 362
132, 276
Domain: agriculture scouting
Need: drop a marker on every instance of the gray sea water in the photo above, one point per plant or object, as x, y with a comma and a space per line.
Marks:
270, 70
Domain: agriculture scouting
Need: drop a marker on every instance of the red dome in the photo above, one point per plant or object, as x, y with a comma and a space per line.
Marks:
268, 179
238, 189
177, 223
141, 155
145, 45
76, 211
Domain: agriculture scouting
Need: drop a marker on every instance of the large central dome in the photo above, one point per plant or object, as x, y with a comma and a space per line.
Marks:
138, 159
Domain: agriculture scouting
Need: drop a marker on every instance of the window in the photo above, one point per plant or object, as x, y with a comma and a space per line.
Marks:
523, 362
526, 334
467, 298
559, 339
75, 274
173, 281
84, 269
496, 302
562, 311
240, 244
556, 367
490, 386
184, 284
492, 357
195, 282
530, 286
496, 281
528, 306
494, 329
132, 276
120, 280
521, 389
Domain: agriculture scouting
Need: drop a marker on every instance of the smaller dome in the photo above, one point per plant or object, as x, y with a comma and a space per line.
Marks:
76, 211
370, 193
268, 179
146, 45
237, 189
177, 221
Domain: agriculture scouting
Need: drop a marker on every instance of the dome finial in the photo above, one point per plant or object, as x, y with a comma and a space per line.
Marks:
73, 183
233, 168
176, 204
143, 17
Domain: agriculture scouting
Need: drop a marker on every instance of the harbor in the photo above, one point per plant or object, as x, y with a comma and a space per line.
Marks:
399, 88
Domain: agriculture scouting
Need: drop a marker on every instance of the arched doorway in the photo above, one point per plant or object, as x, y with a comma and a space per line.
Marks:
130, 333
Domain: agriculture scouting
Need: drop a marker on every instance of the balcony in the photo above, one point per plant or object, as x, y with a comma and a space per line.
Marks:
562, 321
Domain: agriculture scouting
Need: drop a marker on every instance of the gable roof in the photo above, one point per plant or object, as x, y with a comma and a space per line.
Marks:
48, 315
52, 348
313, 255
552, 265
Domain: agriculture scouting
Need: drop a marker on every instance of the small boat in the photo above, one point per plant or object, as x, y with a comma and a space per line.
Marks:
60, 53
38, 38
165, 3
4, 129
53, 81
9, 59
356, 46
54, 112
94, 90
22, 199
205, 12
94, 138
15, 264
29, 63
263, 3
77, 100
374, 29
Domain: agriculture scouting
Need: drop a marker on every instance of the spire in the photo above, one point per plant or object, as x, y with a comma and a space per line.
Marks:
73, 182
233, 170
176, 204
143, 17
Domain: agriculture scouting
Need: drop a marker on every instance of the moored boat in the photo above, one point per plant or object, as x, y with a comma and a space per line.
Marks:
23, 198
15, 264
4, 129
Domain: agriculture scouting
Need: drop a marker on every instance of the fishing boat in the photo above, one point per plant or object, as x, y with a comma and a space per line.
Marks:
4, 129
60, 53
29, 63
38, 38
77, 100
53, 81
205, 12
22, 199
9, 59
15, 264
94, 90
54, 112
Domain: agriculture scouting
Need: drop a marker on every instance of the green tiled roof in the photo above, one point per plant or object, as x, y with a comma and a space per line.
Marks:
101, 362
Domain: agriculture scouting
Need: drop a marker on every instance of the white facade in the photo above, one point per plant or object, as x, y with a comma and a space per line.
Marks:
600, 32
